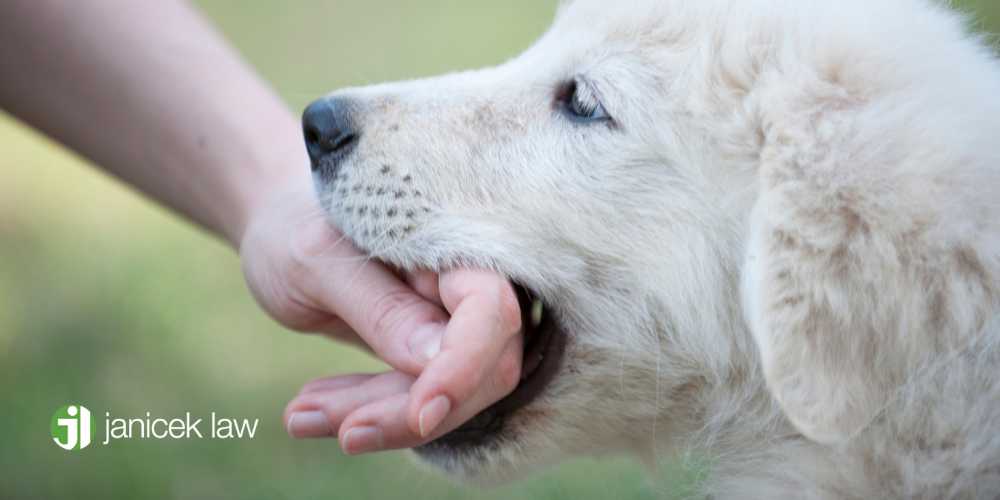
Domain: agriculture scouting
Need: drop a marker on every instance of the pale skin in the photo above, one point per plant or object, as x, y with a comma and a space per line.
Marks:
151, 93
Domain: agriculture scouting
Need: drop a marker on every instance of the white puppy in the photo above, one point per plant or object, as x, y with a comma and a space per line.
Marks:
766, 234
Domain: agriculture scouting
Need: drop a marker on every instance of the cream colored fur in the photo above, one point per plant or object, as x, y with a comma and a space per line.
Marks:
780, 264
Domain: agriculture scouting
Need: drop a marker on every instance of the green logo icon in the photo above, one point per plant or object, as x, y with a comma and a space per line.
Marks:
71, 427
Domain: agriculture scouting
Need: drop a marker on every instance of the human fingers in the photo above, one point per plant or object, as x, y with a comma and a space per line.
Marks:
480, 351
424, 283
320, 411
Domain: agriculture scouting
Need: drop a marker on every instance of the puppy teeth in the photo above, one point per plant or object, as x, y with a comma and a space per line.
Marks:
537, 312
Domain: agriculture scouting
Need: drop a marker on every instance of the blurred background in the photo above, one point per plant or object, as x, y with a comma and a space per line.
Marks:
111, 302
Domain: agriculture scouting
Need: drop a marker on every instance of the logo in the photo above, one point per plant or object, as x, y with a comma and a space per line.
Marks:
72, 430
71, 427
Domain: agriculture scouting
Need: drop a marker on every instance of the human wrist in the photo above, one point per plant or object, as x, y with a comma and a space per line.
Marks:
273, 161
271, 178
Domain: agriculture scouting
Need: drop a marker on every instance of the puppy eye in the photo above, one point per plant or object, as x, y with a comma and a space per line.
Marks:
580, 102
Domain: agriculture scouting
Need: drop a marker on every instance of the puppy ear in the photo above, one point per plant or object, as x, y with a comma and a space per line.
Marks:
848, 288
810, 315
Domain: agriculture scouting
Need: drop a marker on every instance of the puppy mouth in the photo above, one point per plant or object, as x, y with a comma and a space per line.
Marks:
544, 346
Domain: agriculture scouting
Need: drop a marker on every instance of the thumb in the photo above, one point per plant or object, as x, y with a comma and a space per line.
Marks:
402, 328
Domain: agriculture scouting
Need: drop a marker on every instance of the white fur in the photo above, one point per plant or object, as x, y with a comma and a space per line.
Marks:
781, 264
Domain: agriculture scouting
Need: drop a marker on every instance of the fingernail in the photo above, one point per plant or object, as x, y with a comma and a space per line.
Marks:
362, 440
425, 343
308, 424
432, 414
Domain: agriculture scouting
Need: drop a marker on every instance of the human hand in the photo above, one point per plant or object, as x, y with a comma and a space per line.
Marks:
217, 167
306, 276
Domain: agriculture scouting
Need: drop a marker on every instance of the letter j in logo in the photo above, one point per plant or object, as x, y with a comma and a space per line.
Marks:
71, 427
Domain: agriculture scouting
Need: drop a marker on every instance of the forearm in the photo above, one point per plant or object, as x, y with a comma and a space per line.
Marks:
150, 92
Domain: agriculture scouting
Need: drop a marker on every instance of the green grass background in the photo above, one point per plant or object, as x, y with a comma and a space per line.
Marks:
109, 301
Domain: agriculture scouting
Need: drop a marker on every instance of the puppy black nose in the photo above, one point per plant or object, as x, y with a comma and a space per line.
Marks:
329, 131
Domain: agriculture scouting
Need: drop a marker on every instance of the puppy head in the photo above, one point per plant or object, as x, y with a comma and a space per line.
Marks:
619, 171
563, 169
